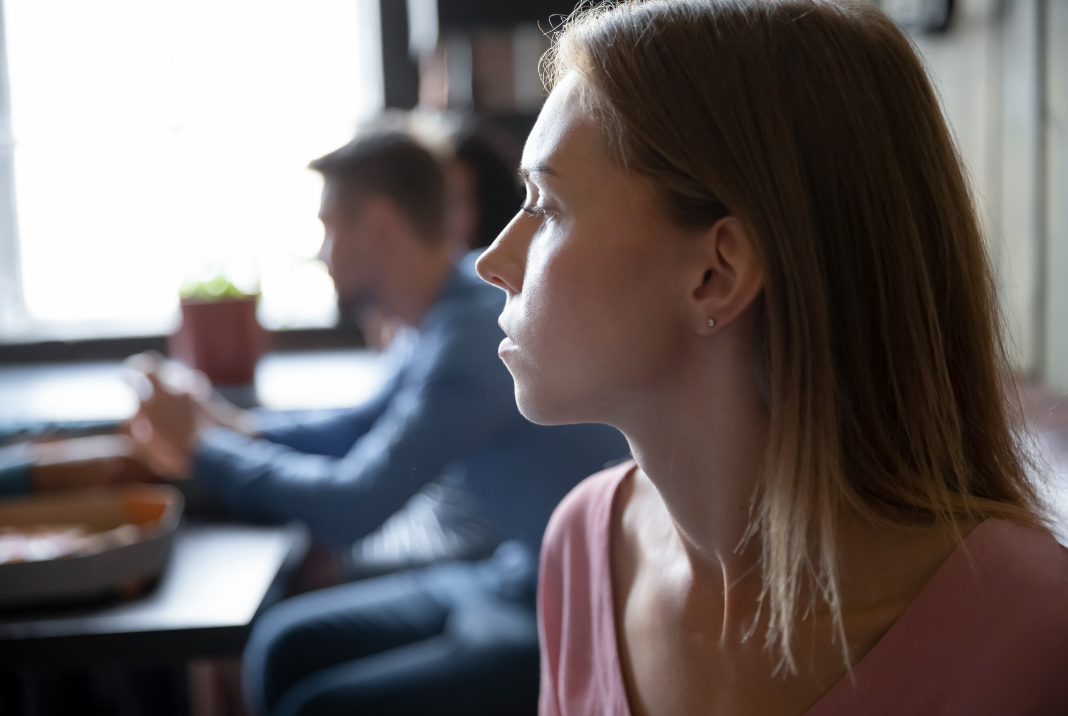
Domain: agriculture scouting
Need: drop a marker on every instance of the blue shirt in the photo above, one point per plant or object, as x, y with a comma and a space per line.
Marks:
448, 409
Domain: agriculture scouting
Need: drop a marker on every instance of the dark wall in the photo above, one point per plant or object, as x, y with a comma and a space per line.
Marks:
459, 14
401, 72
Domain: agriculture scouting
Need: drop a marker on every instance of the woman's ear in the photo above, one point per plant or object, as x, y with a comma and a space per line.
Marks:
727, 277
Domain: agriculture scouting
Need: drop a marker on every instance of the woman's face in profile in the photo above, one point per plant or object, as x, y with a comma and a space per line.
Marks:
596, 314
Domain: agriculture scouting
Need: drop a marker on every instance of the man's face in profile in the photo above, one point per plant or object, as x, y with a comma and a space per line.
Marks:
346, 248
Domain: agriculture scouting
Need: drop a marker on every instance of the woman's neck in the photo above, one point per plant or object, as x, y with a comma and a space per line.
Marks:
699, 440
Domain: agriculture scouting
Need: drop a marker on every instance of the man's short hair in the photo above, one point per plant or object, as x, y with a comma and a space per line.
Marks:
394, 165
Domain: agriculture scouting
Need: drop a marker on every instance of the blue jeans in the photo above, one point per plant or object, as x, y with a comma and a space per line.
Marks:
454, 638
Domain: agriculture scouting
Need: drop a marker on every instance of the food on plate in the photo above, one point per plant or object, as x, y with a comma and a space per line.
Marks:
44, 542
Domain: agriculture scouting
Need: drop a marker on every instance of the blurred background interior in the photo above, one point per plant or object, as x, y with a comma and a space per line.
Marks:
150, 144
142, 143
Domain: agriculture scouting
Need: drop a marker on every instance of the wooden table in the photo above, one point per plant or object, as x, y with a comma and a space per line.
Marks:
220, 576
218, 579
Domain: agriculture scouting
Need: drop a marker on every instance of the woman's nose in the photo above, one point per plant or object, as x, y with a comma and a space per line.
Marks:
504, 262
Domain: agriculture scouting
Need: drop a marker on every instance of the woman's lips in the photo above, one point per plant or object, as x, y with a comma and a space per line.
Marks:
507, 336
506, 345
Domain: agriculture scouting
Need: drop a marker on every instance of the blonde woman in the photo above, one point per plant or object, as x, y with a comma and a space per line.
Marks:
749, 245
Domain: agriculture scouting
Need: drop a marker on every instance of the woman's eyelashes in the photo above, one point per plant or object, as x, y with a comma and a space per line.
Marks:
534, 203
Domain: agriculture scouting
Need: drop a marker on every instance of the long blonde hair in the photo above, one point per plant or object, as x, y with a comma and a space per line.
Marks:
814, 123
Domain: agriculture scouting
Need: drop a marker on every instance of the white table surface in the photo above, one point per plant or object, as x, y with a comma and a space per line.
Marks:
65, 392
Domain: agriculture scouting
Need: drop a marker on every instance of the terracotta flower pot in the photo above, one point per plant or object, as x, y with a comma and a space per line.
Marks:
222, 338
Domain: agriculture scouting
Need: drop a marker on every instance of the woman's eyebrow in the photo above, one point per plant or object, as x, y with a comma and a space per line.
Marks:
540, 168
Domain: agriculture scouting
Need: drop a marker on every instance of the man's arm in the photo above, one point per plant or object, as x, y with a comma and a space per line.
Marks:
334, 432
323, 432
428, 423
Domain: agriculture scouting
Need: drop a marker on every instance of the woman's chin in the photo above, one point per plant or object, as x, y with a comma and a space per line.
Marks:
545, 410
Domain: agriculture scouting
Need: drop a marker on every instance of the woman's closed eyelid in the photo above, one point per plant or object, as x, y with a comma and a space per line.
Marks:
533, 210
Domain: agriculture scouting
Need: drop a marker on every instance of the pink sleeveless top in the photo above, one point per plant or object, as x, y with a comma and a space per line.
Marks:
988, 634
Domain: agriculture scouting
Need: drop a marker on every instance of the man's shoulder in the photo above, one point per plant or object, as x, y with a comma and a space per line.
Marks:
471, 291
465, 303
463, 325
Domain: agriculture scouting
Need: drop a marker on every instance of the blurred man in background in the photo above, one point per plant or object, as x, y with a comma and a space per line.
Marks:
458, 633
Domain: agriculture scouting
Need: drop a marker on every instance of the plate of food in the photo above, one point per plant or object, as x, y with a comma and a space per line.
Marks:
85, 544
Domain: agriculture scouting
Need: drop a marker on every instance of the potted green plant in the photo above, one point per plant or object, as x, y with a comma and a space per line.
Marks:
219, 333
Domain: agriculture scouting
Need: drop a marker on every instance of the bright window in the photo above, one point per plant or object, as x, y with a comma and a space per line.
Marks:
155, 137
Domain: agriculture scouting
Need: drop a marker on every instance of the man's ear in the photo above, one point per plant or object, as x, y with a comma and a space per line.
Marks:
727, 275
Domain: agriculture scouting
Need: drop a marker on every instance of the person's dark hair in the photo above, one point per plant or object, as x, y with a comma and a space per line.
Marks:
394, 165
499, 194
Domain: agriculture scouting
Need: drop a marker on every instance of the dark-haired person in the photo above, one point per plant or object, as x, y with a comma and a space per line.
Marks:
483, 187
482, 194
461, 633
748, 244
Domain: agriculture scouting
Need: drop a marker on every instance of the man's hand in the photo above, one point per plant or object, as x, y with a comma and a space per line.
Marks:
176, 406
165, 429
88, 462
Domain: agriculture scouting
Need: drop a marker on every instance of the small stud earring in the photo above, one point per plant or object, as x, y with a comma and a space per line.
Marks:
711, 322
